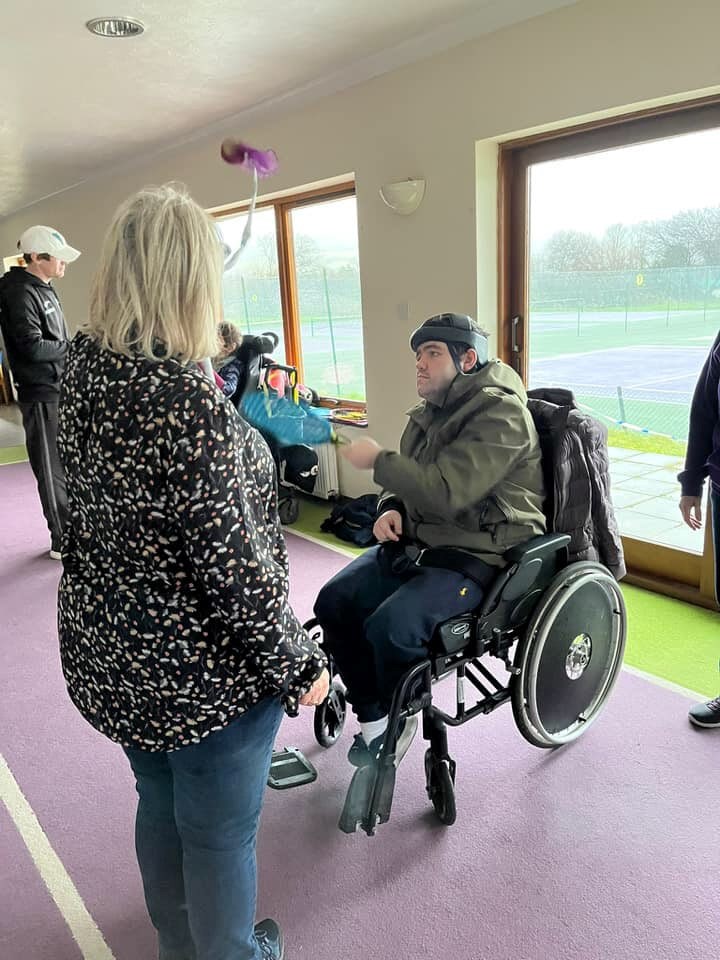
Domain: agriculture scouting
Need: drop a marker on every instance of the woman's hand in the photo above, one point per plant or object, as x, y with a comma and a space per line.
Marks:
317, 692
691, 510
388, 526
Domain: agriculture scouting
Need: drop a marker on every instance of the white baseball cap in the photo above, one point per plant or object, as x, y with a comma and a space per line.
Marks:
46, 240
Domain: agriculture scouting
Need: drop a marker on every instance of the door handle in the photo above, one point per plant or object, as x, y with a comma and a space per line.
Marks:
515, 348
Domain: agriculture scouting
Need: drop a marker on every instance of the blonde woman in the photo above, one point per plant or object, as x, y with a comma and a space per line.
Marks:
176, 635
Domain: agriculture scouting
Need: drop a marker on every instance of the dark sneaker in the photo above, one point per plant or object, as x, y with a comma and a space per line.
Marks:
706, 714
361, 754
270, 940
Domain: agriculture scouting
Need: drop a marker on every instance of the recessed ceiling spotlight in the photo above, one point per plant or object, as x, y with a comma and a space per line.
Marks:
115, 27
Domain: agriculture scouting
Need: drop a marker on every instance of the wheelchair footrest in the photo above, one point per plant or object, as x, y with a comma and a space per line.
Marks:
369, 798
290, 768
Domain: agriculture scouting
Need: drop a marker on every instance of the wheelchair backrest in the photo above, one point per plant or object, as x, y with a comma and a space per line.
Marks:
252, 359
576, 467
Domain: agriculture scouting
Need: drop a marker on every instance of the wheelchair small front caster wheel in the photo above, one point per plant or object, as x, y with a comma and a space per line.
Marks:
440, 787
289, 510
329, 718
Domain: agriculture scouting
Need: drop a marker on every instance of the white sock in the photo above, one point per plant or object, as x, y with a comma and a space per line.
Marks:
373, 729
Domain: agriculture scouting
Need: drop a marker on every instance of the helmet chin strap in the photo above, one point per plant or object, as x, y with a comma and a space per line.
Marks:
458, 366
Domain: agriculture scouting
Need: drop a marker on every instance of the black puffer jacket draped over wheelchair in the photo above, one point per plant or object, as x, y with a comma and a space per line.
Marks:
577, 466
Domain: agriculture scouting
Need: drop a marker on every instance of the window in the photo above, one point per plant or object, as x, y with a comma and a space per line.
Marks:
610, 286
251, 287
299, 276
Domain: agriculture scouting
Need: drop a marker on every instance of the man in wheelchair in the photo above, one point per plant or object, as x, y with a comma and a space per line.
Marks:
468, 477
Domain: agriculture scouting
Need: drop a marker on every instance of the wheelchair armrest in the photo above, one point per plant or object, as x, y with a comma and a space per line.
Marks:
540, 547
529, 568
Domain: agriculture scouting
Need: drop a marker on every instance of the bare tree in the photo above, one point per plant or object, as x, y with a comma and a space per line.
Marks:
690, 238
571, 250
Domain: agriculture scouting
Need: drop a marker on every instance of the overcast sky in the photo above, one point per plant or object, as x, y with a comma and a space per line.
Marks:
650, 181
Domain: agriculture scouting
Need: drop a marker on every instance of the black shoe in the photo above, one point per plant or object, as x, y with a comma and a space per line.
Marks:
361, 754
270, 940
706, 714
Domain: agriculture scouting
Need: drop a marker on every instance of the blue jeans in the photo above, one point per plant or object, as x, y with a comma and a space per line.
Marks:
195, 832
378, 615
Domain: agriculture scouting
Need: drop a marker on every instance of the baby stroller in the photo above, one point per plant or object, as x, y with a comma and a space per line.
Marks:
269, 390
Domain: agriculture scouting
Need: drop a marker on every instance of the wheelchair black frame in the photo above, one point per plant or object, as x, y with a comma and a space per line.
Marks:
436, 720
533, 564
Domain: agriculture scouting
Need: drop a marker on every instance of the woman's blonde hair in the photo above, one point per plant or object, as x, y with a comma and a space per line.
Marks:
158, 288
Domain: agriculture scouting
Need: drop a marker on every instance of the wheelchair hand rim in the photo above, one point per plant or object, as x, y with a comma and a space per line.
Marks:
568, 582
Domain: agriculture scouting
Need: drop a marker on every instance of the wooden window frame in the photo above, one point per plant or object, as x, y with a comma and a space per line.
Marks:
283, 207
673, 572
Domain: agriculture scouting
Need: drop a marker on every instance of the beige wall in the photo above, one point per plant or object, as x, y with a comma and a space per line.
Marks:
425, 121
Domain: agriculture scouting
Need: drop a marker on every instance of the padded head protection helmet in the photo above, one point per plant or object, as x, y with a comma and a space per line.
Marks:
452, 328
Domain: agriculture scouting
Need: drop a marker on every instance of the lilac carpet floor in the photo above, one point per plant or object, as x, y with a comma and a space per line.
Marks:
606, 850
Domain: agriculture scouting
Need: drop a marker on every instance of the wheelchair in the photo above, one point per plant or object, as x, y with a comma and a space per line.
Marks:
549, 636
254, 352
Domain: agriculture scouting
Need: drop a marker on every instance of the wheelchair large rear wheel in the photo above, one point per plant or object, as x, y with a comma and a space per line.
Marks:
570, 655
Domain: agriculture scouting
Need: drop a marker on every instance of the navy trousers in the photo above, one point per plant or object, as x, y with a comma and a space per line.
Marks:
378, 615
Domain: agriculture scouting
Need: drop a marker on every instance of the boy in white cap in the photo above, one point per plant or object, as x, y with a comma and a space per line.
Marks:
36, 340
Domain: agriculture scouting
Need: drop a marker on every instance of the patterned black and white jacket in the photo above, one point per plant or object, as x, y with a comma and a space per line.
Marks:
173, 610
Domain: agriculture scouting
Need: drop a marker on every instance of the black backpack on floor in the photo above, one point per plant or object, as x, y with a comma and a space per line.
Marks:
354, 520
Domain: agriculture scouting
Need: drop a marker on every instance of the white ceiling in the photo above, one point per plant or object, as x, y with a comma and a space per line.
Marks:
74, 104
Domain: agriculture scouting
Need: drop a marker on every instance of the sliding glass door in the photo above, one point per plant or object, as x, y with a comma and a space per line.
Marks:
613, 244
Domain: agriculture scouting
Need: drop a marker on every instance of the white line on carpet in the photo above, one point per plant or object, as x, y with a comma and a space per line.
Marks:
658, 681
56, 878
667, 684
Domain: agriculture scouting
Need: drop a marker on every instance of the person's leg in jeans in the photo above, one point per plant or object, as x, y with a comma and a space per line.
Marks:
218, 788
342, 607
160, 855
40, 422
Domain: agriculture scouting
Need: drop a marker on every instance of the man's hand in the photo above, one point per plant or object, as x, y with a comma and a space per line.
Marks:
362, 454
691, 510
317, 692
388, 526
